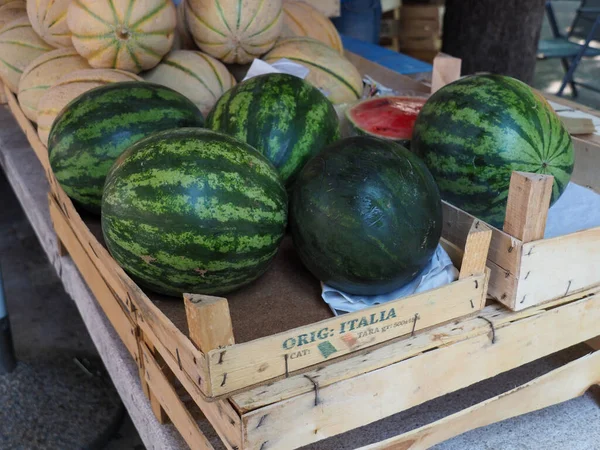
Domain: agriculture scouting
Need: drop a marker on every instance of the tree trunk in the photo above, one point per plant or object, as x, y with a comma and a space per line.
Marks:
498, 36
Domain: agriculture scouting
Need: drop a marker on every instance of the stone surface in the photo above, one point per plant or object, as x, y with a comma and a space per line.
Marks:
56, 401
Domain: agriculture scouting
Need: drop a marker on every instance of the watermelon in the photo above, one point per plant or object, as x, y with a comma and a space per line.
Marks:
475, 132
191, 210
388, 117
282, 116
95, 128
366, 215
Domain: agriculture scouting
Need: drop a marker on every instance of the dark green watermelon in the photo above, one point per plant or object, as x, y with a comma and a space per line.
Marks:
191, 210
96, 127
366, 215
282, 116
475, 132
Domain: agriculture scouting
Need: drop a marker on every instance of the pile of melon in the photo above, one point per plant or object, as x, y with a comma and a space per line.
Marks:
191, 169
54, 50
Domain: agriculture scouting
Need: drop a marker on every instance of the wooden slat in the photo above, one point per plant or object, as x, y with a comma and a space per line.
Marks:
370, 397
504, 255
527, 205
587, 148
209, 321
121, 285
476, 250
565, 383
504, 249
146, 313
392, 353
587, 161
104, 295
40, 150
192, 360
256, 361
175, 409
387, 77
224, 419
578, 125
157, 409
594, 343
446, 69
554, 267
454, 252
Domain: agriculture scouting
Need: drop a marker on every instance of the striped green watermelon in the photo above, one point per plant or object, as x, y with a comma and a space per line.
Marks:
475, 132
96, 127
285, 118
192, 210
366, 215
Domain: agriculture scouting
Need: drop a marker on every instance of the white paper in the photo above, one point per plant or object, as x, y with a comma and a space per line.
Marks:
578, 208
437, 273
259, 67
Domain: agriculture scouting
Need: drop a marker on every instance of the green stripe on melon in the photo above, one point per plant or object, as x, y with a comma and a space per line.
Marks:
475, 132
192, 210
94, 129
282, 116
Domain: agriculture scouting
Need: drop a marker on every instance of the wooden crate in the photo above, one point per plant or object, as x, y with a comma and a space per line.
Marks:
298, 331
526, 269
313, 403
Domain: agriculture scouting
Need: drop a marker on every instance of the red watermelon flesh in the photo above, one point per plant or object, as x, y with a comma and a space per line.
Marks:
386, 117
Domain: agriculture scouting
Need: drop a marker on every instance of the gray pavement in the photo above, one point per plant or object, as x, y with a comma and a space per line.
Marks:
44, 320
549, 73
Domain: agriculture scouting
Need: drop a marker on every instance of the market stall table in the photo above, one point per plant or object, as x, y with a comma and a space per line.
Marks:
27, 177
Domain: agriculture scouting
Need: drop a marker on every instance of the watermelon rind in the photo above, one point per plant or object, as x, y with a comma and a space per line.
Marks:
365, 216
285, 118
192, 210
357, 129
474, 132
94, 129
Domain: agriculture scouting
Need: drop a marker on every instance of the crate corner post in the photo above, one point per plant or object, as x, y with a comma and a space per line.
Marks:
209, 321
446, 69
527, 206
525, 221
476, 250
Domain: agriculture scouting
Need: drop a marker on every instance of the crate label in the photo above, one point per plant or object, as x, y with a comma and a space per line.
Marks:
350, 332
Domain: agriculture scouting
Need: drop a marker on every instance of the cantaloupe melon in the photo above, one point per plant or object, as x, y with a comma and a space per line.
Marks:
43, 72
199, 77
49, 20
302, 19
329, 71
70, 87
131, 35
19, 45
12, 11
235, 31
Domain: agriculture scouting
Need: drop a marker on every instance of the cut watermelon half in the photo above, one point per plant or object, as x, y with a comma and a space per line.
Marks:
390, 117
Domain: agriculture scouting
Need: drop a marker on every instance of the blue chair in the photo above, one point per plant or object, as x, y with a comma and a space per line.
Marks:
575, 45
